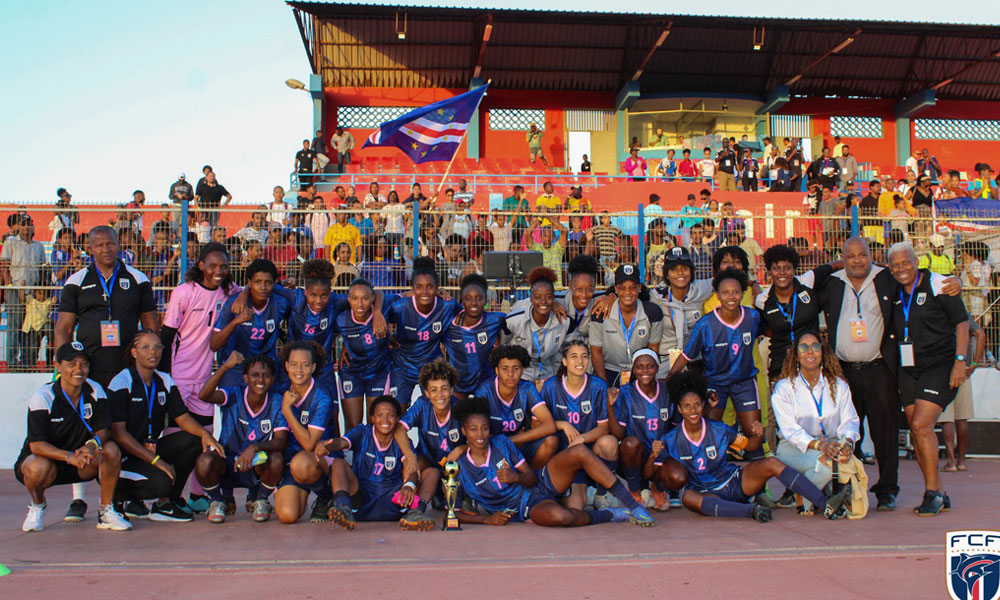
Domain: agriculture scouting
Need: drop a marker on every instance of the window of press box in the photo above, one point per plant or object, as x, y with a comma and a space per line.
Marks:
694, 123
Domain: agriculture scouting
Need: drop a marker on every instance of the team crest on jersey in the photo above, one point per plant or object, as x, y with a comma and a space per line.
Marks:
641, 331
585, 407
921, 298
88, 410
265, 426
436, 327
453, 435
711, 453
304, 417
664, 414
124, 283
323, 323
390, 463
348, 387
218, 306
161, 398
481, 337
518, 414
747, 338
804, 296
269, 325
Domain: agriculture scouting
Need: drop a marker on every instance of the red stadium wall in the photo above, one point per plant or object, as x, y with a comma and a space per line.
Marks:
492, 144
880, 153
961, 155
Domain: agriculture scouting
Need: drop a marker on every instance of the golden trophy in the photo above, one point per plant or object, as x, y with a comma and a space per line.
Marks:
451, 496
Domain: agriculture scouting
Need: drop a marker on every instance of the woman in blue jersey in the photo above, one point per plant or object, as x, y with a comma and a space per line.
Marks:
496, 476
472, 335
255, 329
381, 485
579, 404
715, 487
512, 400
437, 430
725, 338
364, 367
420, 328
643, 414
254, 458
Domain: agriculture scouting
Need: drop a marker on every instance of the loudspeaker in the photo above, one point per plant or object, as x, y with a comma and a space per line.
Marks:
510, 266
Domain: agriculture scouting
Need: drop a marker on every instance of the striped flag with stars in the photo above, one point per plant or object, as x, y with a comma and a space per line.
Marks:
431, 132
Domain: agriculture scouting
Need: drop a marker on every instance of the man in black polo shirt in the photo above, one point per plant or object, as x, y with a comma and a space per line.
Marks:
305, 163
106, 302
68, 440
928, 325
208, 196
725, 162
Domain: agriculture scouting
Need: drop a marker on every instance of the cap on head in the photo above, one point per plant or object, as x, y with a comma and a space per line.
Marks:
70, 350
937, 240
627, 273
654, 197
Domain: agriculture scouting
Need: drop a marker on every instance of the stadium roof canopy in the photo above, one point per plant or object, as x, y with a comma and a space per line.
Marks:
363, 45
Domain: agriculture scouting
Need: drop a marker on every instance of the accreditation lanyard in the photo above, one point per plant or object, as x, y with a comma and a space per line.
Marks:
79, 407
107, 285
791, 320
857, 296
539, 343
906, 307
817, 403
628, 331
151, 400
579, 317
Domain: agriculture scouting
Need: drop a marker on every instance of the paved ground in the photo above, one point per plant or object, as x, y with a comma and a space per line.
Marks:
894, 555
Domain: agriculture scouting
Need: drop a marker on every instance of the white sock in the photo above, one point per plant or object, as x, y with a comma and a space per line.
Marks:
80, 490
33, 505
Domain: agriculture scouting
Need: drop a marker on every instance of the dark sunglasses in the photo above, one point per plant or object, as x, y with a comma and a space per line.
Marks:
815, 347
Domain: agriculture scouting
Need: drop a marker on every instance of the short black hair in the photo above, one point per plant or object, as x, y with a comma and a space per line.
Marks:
734, 251
779, 253
385, 399
731, 273
310, 346
263, 359
471, 406
510, 351
260, 265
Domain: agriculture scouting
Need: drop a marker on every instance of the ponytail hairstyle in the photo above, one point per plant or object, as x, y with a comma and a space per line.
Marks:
471, 406
129, 359
318, 271
564, 351
542, 276
424, 265
685, 383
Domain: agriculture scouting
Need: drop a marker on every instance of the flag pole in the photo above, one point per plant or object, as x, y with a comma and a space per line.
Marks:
435, 191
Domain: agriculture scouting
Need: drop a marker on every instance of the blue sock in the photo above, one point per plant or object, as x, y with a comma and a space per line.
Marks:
717, 507
612, 465
600, 516
752, 455
214, 494
619, 491
421, 506
342, 499
633, 478
253, 493
798, 483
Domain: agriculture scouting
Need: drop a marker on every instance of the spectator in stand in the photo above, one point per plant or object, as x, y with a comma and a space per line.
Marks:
160, 262
343, 260
547, 202
899, 218
936, 260
976, 275
463, 197
534, 138
374, 200
749, 246
605, 235
635, 165
416, 195
64, 215
517, 203
20, 259
710, 236
905, 185
838, 147
450, 262
552, 249
770, 165
825, 170
811, 202
767, 147
585, 165
955, 419
256, 230
379, 266
576, 202
318, 144
707, 167
653, 210
219, 235
749, 171
342, 143
396, 220
305, 163
848, 165
65, 258
929, 166
828, 207
781, 180
342, 231
364, 223
180, 190
942, 191
725, 162
687, 170
168, 223
462, 224
501, 228
209, 198
701, 255
793, 154
984, 187
729, 221
667, 167
913, 162
920, 195
278, 209
318, 218
480, 234
808, 259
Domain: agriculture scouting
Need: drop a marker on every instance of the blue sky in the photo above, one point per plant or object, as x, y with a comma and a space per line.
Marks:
104, 97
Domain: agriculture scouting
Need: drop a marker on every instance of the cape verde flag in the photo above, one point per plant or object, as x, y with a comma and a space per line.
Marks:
431, 132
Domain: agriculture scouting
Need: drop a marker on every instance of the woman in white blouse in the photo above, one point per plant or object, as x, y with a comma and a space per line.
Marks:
812, 403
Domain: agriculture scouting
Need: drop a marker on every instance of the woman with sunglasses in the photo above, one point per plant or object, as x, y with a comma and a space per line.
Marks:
815, 413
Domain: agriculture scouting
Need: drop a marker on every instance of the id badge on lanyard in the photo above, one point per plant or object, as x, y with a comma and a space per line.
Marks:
859, 329
906, 358
110, 329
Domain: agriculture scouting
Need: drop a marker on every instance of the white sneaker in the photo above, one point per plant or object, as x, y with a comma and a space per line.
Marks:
605, 500
261, 510
33, 522
217, 512
647, 498
108, 518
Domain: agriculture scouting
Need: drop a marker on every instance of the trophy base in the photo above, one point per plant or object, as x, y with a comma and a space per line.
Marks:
451, 524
